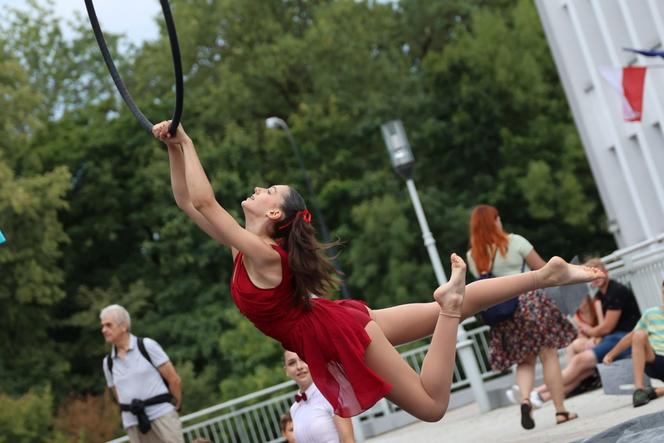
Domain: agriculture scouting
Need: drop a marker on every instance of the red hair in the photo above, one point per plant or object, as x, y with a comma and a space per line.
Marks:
486, 237
589, 305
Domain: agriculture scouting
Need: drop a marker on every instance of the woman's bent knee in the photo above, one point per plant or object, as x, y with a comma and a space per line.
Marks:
434, 416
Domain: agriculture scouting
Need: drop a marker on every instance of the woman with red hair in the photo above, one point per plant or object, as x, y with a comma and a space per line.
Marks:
535, 328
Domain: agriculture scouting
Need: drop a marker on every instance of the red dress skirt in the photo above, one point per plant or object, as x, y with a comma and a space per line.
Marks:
329, 337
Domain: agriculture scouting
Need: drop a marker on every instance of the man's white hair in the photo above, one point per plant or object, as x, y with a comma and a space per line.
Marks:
119, 314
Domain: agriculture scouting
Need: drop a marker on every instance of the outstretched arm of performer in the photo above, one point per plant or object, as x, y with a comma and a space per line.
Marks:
223, 227
179, 187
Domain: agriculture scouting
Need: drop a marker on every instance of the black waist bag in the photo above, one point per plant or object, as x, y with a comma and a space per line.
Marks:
137, 407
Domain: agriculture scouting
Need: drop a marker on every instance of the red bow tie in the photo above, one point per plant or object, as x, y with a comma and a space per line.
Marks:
300, 397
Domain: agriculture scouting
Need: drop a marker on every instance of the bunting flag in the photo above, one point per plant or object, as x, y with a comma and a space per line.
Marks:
2, 238
629, 83
646, 52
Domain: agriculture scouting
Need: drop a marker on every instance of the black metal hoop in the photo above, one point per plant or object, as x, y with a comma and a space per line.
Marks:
117, 79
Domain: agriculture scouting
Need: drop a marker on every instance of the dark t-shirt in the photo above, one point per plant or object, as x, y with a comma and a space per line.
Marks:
619, 296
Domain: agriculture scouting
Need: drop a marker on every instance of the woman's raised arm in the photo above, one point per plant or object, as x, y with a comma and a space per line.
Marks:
194, 195
179, 187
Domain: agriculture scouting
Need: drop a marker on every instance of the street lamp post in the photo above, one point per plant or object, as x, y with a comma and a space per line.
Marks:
276, 122
403, 160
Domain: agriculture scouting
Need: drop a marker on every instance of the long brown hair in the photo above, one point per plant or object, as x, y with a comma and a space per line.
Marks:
589, 305
313, 272
485, 237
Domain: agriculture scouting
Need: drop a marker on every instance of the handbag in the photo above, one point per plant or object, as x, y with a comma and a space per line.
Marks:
502, 311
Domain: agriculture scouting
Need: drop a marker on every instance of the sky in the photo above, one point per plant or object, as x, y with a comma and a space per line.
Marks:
134, 18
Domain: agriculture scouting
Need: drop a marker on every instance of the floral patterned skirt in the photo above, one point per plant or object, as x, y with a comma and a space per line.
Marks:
537, 324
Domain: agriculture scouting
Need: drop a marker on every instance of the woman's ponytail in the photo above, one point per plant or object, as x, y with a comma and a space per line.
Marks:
313, 272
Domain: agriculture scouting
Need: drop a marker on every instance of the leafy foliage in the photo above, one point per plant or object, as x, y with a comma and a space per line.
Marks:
88, 418
28, 418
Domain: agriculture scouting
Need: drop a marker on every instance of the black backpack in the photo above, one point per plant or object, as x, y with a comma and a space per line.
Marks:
144, 353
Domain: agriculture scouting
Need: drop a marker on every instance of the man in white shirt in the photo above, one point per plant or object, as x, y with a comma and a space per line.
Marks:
313, 417
143, 381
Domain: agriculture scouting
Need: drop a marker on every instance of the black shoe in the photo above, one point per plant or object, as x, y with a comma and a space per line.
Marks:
527, 421
651, 392
641, 397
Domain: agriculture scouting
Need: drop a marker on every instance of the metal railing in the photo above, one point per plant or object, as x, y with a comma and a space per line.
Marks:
642, 268
254, 418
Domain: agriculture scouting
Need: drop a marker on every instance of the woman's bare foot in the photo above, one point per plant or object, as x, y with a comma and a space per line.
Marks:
450, 295
558, 272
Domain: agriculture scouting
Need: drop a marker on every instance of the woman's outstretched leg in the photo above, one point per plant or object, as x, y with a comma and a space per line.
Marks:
425, 395
406, 323
482, 294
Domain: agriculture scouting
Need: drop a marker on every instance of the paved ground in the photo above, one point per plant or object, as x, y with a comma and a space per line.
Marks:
597, 412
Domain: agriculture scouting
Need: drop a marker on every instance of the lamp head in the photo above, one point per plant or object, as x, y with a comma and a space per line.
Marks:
398, 148
275, 122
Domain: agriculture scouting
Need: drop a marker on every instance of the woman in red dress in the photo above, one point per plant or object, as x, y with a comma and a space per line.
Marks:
349, 348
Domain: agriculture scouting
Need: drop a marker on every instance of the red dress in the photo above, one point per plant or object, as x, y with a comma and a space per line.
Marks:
330, 337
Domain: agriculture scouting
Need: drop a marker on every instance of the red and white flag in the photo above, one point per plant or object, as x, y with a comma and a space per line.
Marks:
629, 83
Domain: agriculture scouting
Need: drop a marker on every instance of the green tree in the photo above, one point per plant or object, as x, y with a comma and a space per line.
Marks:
28, 418
500, 108
32, 280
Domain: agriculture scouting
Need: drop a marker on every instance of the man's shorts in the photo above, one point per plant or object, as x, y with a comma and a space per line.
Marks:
607, 343
656, 368
165, 429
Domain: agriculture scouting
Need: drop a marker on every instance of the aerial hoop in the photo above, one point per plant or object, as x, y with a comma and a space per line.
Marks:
117, 79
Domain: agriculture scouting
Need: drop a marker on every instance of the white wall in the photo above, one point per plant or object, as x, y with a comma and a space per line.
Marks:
626, 158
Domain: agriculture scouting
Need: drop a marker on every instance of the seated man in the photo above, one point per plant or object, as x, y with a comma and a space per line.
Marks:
620, 312
647, 342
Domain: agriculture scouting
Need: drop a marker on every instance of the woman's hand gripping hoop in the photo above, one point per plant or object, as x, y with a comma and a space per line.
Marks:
117, 79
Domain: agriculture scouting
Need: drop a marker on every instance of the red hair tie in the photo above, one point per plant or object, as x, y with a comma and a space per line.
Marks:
305, 214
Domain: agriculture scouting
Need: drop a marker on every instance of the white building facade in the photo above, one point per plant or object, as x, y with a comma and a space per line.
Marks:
626, 158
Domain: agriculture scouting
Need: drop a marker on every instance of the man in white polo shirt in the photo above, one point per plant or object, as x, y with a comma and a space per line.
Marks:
313, 417
143, 380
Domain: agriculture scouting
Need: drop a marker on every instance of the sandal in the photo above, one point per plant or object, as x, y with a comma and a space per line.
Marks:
527, 421
566, 416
